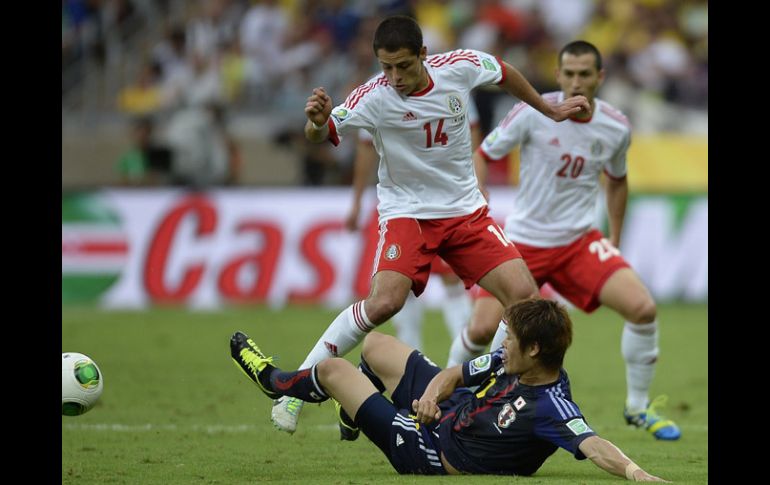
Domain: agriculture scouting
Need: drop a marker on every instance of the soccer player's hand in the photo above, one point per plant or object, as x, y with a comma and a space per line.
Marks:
427, 410
318, 107
642, 476
570, 107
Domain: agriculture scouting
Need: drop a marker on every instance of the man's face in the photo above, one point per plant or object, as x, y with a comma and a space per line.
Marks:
578, 75
514, 360
403, 69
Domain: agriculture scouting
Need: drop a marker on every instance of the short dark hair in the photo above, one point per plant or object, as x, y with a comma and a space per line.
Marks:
580, 47
397, 32
545, 322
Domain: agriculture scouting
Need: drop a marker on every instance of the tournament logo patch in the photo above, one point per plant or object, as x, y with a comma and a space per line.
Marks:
578, 426
507, 416
393, 252
454, 103
488, 65
490, 139
340, 114
479, 364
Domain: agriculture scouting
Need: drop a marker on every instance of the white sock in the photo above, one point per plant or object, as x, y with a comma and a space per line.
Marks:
408, 322
463, 349
346, 331
639, 345
456, 308
500, 334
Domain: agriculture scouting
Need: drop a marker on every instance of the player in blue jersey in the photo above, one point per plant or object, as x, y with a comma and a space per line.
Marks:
434, 425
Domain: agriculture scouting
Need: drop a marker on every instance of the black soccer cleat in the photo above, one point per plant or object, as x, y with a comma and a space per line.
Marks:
252, 362
348, 429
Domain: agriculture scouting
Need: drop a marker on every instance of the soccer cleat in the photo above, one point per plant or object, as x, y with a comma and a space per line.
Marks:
348, 429
285, 413
252, 362
649, 419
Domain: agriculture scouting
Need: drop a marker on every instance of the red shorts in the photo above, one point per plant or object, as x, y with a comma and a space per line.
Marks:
577, 271
440, 267
471, 245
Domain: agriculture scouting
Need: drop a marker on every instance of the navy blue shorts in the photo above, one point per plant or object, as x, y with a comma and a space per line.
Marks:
410, 447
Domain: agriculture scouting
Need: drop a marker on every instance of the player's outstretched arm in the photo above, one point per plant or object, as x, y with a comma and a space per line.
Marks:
439, 388
317, 109
517, 85
608, 457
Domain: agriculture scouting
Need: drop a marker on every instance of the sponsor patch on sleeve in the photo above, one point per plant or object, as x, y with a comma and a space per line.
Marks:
480, 364
578, 426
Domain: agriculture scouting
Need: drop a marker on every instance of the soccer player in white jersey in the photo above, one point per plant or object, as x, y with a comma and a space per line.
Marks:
430, 203
550, 224
456, 306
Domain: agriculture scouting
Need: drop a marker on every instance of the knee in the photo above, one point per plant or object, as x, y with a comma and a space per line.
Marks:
381, 308
643, 311
527, 288
329, 369
481, 333
372, 343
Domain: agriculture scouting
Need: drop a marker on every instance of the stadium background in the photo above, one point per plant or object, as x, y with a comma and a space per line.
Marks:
244, 218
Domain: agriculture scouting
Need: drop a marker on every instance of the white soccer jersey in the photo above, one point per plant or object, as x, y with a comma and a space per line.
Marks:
423, 139
560, 168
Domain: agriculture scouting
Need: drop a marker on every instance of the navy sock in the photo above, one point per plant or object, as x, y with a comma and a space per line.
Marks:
302, 384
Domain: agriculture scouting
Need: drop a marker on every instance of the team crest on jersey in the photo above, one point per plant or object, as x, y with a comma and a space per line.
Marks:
578, 426
488, 65
340, 114
506, 416
479, 364
454, 103
596, 148
393, 252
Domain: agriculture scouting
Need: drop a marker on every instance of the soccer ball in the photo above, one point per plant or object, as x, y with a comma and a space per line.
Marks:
81, 383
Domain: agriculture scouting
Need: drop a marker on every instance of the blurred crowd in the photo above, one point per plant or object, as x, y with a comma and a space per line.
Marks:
212, 59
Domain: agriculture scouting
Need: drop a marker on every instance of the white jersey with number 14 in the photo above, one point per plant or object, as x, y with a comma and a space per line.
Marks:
423, 139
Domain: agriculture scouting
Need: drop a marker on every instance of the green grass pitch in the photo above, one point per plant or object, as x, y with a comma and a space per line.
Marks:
175, 410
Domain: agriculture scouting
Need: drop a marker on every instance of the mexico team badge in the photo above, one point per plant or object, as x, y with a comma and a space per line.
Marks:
454, 104
393, 252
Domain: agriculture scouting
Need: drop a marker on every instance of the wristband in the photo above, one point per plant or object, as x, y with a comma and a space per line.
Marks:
630, 469
316, 126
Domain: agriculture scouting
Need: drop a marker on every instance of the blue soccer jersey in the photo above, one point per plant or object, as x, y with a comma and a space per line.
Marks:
509, 428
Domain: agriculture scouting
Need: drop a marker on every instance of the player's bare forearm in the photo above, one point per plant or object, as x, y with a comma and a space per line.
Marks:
366, 158
480, 166
438, 389
316, 135
617, 199
517, 85
609, 458
317, 109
